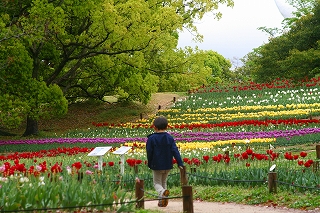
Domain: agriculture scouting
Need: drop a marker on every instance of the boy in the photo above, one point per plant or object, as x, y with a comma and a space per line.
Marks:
161, 148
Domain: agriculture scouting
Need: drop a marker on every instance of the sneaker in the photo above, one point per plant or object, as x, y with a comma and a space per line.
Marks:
164, 202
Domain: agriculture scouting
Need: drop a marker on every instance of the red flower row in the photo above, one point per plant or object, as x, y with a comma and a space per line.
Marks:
46, 153
267, 122
249, 154
133, 162
8, 169
276, 84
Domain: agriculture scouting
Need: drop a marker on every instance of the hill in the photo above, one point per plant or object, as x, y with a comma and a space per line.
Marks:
81, 115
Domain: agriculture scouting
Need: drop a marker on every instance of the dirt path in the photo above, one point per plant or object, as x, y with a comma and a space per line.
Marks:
164, 100
176, 206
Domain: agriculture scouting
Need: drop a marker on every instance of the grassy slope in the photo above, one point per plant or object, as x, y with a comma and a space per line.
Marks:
81, 115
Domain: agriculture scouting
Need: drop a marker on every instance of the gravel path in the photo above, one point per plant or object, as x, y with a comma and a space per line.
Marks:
176, 206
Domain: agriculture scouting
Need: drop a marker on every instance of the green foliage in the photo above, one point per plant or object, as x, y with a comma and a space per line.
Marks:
91, 50
256, 195
301, 8
22, 95
294, 54
201, 68
66, 192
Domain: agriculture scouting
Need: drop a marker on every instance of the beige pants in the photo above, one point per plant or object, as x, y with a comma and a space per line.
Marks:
160, 180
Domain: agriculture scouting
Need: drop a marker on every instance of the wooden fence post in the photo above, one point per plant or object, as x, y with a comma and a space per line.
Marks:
316, 165
187, 199
318, 151
272, 184
183, 176
140, 194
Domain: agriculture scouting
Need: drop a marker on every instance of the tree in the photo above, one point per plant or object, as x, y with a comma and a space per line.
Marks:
202, 67
295, 54
90, 49
220, 67
302, 8
22, 95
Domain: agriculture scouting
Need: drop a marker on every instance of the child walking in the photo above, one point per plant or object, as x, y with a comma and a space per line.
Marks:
161, 148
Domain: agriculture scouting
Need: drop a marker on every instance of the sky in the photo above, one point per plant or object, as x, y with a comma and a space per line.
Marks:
236, 33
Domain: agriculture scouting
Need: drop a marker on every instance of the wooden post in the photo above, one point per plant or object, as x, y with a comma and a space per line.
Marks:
187, 199
316, 165
174, 99
183, 176
159, 107
272, 177
140, 116
140, 194
318, 151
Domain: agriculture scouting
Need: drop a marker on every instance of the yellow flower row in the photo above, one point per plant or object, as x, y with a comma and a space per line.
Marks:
184, 146
314, 106
205, 118
211, 144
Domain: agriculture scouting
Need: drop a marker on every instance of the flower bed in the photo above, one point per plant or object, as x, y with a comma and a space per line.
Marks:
226, 135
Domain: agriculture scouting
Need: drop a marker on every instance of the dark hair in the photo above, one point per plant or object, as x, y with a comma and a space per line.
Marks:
161, 123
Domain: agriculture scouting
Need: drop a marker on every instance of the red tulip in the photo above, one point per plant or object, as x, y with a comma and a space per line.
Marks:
206, 158
77, 165
303, 154
244, 155
249, 151
215, 158
185, 160
56, 168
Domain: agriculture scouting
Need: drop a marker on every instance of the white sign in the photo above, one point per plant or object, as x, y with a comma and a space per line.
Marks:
99, 151
122, 150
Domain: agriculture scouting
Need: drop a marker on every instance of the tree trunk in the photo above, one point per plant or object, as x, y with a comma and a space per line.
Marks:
32, 127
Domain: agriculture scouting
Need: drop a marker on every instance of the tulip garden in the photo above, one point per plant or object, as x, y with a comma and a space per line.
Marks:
227, 135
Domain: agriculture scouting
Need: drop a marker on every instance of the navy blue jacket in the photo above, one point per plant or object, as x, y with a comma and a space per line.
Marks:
161, 148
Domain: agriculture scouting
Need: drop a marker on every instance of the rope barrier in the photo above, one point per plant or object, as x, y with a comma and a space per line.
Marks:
133, 180
228, 180
70, 207
294, 185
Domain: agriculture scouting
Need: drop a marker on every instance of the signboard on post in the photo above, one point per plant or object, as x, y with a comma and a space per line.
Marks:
99, 152
121, 151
